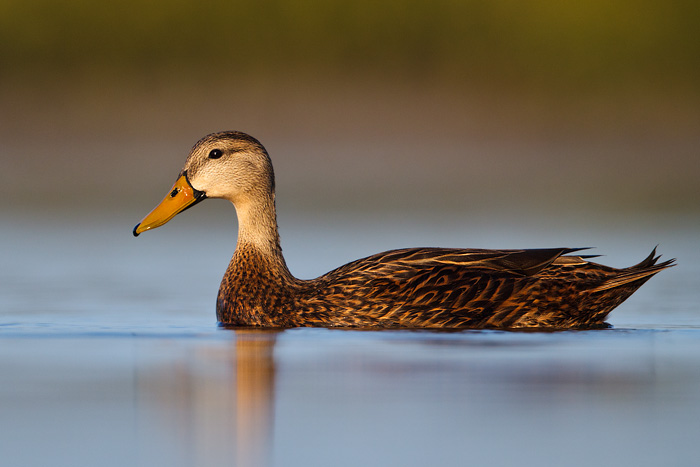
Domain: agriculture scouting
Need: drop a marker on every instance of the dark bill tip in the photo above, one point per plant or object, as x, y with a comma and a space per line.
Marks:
136, 234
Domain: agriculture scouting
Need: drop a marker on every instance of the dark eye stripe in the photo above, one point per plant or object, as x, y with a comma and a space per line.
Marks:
215, 153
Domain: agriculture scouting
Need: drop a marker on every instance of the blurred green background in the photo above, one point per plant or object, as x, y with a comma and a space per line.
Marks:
497, 106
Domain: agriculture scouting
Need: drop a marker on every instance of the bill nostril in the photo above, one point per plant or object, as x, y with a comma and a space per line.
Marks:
174, 192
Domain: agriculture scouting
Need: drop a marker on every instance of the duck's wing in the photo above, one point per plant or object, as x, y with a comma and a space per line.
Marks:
413, 260
431, 287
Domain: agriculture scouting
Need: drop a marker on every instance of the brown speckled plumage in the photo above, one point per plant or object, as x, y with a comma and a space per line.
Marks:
432, 288
407, 288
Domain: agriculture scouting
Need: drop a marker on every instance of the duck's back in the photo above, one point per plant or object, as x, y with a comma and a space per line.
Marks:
457, 288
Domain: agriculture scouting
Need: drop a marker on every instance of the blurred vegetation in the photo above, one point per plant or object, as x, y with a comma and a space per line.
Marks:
596, 101
541, 43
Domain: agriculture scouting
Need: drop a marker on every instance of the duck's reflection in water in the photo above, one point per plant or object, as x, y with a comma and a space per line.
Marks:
255, 384
213, 406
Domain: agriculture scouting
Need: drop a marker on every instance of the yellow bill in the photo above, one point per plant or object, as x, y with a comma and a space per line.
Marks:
181, 197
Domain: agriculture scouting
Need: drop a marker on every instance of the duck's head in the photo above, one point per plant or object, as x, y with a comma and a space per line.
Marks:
229, 165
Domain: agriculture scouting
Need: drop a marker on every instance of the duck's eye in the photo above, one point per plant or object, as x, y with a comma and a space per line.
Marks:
215, 153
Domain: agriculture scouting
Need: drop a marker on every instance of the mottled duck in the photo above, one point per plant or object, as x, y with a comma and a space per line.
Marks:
406, 288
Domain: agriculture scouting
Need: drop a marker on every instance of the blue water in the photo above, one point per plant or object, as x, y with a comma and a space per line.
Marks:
110, 354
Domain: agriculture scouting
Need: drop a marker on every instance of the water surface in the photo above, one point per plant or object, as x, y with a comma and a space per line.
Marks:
110, 355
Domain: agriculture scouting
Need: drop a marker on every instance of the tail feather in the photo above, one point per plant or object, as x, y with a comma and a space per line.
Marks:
639, 272
649, 261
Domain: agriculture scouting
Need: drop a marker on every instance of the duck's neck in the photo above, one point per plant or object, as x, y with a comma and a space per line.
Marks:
257, 279
257, 230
